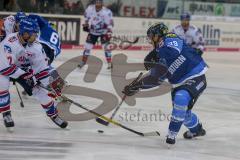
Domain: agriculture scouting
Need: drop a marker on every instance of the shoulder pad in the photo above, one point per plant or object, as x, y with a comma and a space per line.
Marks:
91, 7
178, 26
36, 46
106, 10
10, 18
192, 27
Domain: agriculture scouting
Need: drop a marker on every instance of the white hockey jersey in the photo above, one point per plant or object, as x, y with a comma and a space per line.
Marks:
100, 22
192, 36
31, 56
10, 51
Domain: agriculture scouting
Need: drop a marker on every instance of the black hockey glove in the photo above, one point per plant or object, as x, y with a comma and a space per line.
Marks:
132, 89
199, 51
86, 27
27, 81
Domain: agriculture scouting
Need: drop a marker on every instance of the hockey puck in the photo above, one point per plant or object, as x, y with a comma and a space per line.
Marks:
100, 131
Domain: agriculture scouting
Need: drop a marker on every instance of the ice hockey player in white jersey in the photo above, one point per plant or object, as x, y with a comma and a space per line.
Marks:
11, 48
11, 24
30, 57
98, 24
190, 33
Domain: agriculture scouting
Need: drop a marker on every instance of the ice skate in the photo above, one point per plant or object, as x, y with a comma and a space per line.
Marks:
171, 140
81, 64
190, 135
60, 122
110, 66
8, 121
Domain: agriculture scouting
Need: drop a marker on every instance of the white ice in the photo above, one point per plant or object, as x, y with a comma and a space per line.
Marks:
35, 137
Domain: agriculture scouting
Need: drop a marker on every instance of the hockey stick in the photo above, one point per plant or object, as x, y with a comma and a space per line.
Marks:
124, 43
19, 95
101, 121
106, 123
154, 133
64, 98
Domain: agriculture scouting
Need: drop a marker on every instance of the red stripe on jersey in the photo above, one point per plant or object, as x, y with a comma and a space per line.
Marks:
9, 71
5, 108
42, 75
46, 106
4, 93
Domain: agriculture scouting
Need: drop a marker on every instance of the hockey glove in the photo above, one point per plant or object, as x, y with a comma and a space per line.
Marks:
86, 27
199, 51
27, 81
132, 89
107, 37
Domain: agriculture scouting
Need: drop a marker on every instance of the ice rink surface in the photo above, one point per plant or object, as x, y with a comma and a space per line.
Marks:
35, 137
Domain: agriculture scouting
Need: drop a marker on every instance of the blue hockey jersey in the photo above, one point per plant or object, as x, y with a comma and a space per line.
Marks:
48, 35
181, 62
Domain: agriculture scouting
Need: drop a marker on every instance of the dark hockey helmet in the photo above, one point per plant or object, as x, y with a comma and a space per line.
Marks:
185, 16
98, 4
158, 29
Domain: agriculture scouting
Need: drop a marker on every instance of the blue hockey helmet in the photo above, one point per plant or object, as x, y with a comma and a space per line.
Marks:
185, 16
19, 16
29, 26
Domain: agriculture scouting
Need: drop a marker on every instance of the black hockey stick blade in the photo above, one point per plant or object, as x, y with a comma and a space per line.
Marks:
101, 121
136, 40
155, 133
21, 104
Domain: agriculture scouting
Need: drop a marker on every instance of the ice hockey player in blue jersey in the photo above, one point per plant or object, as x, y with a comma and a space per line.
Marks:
51, 44
49, 37
177, 62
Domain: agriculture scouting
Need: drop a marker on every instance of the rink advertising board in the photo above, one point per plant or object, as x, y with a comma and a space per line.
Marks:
219, 34
68, 27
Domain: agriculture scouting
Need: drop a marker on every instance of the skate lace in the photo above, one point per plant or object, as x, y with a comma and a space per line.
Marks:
171, 135
7, 118
58, 120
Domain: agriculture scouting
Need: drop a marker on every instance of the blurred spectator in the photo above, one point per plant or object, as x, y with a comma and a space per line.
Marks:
46, 6
115, 7
77, 8
30, 6
10, 5
73, 7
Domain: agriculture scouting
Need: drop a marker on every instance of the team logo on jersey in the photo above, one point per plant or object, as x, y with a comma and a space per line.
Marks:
12, 39
29, 54
11, 19
7, 49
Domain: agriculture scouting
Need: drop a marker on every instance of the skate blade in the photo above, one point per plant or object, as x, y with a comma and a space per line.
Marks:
170, 146
10, 129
